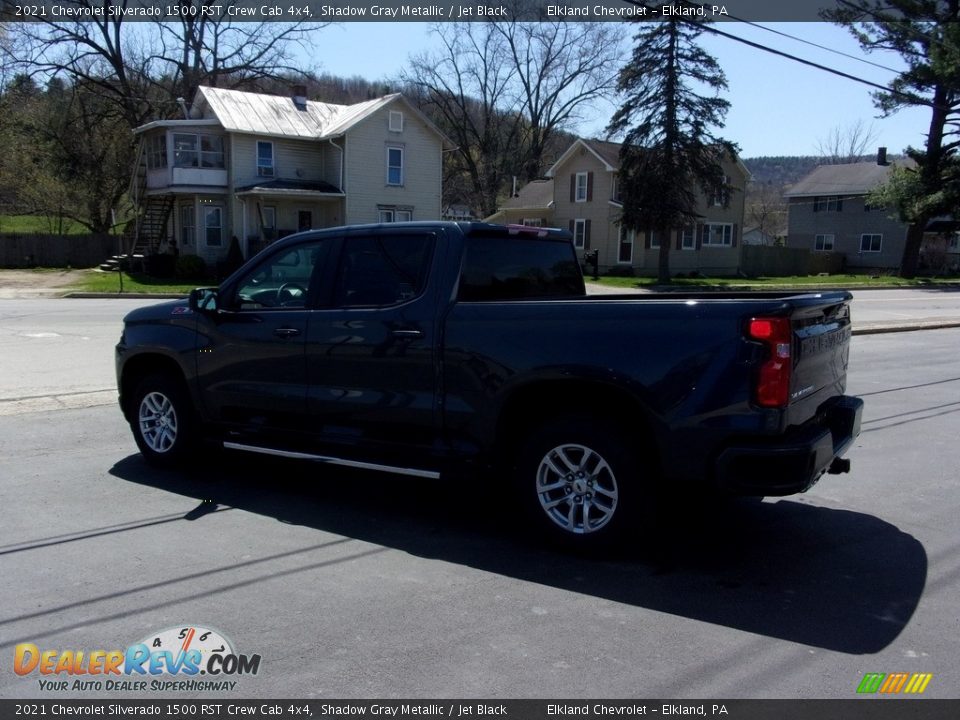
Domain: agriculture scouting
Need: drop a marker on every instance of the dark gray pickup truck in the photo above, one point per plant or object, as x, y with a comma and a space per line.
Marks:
450, 349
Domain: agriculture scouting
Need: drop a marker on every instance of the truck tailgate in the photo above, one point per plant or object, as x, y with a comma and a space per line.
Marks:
821, 352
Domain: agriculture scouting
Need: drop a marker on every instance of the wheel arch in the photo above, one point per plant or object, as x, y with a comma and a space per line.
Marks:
136, 368
533, 404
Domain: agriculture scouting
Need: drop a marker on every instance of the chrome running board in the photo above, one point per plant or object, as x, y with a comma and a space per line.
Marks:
332, 460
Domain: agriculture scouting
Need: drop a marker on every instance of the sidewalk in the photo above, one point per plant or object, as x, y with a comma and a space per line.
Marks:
871, 325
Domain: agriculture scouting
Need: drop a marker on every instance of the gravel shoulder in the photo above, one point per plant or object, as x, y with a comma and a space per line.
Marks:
37, 283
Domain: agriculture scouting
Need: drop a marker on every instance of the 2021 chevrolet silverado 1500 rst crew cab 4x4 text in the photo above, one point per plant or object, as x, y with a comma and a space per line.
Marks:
433, 349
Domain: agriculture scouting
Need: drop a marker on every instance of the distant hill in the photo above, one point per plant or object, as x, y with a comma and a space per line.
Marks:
782, 170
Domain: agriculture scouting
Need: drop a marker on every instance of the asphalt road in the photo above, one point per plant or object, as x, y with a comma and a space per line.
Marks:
359, 585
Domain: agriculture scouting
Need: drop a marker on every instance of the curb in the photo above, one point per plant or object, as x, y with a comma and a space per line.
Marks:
879, 329
122, 296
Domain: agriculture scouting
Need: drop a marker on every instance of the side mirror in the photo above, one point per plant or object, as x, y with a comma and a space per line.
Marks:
204, 300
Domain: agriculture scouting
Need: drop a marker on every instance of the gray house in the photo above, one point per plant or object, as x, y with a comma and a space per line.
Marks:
259, 167
828, 212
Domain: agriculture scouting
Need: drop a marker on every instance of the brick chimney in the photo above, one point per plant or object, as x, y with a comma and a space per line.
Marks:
300, 96
882, 156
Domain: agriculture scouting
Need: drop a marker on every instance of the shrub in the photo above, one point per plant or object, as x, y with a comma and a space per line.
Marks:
191, 267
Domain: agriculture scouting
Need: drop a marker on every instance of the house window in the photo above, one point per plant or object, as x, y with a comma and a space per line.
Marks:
213, 225
265, 159
954, 243
615, 193
721, 195
827, 203
654, 240
579, 233
388, 214
396, 121
871, 242
718, 235
687, 239
394, 165
533, 222
211, 151
823, 242
188, 225
581, 187
157, 152
625, 251
191, 150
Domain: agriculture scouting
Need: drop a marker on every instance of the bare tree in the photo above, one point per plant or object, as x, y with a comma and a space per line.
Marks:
766, 209
847, 143
142, 68
503, 90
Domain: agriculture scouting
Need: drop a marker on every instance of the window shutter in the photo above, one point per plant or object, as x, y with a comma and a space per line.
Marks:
589, 186
646, 239
733, 236
573, 187
699, 235
586, 234
571, 226
680, 239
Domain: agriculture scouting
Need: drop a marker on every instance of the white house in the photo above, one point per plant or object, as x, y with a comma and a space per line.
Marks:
259, 167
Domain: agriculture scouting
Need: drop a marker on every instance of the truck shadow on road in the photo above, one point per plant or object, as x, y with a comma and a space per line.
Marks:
788, 569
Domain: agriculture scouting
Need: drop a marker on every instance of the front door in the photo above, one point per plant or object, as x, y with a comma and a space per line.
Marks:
250, 364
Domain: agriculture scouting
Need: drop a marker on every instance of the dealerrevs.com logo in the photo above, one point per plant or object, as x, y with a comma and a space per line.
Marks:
895, 683
171, 660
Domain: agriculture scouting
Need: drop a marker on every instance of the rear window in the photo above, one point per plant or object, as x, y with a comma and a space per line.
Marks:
511, 268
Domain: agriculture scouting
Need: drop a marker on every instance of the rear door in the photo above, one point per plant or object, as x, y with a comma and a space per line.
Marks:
371, 355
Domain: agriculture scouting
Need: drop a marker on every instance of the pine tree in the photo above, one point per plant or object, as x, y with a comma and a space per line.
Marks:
669, 149
926, 34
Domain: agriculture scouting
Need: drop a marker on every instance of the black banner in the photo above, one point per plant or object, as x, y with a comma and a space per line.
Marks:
209, 709
417, 11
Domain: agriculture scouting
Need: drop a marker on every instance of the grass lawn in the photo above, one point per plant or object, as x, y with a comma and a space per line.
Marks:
39, 225
765, 283
109, 282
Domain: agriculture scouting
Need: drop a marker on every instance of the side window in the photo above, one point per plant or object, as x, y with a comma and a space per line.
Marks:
379, 270
282, 281
509, 268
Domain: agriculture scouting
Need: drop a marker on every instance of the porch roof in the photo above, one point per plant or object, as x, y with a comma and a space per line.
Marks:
292, 188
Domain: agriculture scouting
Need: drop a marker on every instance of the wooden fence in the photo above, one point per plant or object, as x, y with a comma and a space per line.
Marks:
24, 250
767, 261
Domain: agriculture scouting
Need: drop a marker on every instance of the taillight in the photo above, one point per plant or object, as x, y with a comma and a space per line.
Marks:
772, 388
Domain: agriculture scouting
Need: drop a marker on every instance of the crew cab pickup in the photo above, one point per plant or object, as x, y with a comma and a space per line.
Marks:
438, 350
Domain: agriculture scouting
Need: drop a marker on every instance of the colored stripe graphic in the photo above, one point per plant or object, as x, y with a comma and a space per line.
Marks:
894, 683
918, 683
871, 682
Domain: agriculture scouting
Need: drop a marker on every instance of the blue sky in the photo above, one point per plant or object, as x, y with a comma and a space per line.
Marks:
778, 107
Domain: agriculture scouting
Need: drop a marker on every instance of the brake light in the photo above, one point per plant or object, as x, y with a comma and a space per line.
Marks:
772, 387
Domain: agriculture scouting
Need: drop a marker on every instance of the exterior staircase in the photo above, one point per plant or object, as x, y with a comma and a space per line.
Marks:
148, 229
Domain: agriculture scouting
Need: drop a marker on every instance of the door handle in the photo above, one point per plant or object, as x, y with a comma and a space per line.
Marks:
407, 333
286, 332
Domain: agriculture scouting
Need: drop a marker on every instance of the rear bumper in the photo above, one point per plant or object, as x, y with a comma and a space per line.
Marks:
795, 462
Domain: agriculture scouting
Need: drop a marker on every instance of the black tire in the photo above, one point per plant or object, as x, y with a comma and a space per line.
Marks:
162, 421
605, 492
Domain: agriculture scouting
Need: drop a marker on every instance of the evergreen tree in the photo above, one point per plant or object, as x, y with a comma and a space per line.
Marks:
926, 34
669, 148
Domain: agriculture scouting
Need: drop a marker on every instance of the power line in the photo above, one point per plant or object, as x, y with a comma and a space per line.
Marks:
816, 45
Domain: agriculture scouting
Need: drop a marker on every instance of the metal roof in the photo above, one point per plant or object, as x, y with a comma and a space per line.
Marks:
247, 112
